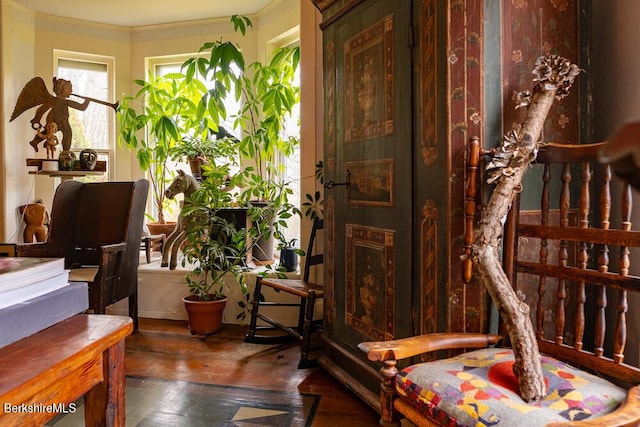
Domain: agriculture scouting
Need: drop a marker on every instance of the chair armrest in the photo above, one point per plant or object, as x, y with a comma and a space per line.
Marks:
115, 247
412, 346
108, 258
627, 415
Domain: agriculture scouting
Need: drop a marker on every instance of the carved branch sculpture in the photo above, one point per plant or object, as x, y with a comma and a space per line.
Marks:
554, 76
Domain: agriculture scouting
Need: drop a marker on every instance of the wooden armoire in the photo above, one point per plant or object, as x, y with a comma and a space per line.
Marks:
406, 84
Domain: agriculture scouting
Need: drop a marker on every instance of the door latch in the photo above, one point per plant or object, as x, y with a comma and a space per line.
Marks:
346, 183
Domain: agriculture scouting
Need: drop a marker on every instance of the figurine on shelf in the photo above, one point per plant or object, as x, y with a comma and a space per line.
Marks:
88, 159
35, 93
50, 138
67, 160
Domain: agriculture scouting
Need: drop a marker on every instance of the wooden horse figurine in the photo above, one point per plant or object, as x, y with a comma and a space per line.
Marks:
185, 184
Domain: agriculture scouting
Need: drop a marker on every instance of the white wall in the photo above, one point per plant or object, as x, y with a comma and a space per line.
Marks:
311, 112
18, 39
616, 62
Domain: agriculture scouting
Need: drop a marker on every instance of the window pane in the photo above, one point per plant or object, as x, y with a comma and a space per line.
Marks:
90, 79
292, 166
232, 106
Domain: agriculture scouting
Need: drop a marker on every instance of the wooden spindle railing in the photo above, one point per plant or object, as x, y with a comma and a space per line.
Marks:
544, 250
583, 254
563, 255
620, 337
603, 262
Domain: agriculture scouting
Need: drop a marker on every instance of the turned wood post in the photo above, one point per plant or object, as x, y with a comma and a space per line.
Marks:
387, 393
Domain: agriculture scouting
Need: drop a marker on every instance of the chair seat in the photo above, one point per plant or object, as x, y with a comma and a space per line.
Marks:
83, 274
295, 286
479, 389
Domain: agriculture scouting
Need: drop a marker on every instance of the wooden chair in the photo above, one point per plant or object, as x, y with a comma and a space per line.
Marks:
97, 229
152, 242
557, 257
308, 293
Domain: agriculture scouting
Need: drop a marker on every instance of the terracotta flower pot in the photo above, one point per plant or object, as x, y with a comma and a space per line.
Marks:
205, 317
166, 229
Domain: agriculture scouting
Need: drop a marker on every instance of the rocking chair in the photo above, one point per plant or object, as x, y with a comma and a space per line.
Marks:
308, 293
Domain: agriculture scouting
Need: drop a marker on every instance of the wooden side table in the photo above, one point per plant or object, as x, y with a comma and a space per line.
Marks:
45, 372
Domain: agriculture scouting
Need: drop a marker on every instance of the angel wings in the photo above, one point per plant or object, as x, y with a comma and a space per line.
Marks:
34, 94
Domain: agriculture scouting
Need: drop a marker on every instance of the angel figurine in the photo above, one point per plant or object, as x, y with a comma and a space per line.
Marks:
35, 93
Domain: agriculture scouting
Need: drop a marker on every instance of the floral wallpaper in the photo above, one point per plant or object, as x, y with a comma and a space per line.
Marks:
465, 63
532, 28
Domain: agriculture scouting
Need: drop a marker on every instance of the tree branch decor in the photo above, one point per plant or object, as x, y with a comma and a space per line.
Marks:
554, 76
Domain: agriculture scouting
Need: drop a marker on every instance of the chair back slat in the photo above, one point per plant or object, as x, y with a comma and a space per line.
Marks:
620, 337
603, 261
313, 259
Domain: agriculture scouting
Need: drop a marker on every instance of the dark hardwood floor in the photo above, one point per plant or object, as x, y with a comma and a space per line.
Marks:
165, 349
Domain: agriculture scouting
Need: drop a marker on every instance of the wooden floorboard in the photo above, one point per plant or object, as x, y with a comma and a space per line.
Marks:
165, 349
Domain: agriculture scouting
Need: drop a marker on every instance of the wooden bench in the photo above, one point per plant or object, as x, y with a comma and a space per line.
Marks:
48, 371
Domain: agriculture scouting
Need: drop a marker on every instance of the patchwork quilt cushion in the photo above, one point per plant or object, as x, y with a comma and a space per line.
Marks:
479, 389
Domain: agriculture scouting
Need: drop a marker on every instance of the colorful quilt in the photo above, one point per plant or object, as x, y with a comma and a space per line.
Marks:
479, 389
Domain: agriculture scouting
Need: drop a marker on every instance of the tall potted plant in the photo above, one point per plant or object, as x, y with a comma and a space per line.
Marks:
213, 249
154, 121
268, 96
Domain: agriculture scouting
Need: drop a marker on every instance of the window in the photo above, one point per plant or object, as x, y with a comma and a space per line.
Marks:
165, 65
91, 77
161, 66
292, 167
291, 163
173, 64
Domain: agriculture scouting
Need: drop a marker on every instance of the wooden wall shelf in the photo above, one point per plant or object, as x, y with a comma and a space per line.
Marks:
101, 167
66, 174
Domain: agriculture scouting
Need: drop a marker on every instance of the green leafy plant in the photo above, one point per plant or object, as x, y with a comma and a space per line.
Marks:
242, 172
163, 113
218, 242
268, 95
313, 206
